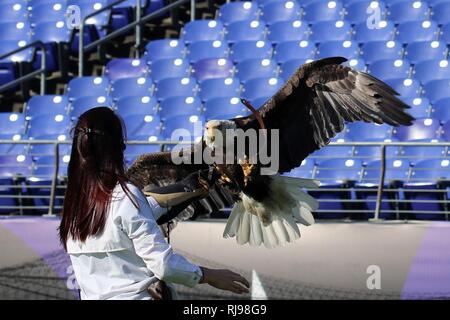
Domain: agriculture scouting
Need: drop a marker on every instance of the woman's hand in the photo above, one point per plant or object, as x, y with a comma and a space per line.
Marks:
225, 280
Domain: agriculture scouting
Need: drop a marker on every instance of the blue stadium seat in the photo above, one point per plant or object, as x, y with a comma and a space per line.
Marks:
280, 11
7, 46
372, 51
305, 170
262, 3
322, 31
87, 7
385, 32
420, 106
87, 86
359, 131
83, 104
328, 152
185, 128
256, 68
135, 150
261, 87
323, 10
47, 125
224, 108
427, 175
164, 49
168, 68
141, 125
125, 68
13, 12
173, 87
48, 12
441, 110
212, 68
198, 30
249, 49
46, 105
15, 31
135, 86
445, 33
177, 106
396, 170
219, 87
441, 12
207, 49
425, 128
237, 11
446, 131
425, 50
408, 10
137, 105
390, 69
413, 31
417, 153
253, 30
356, 11
282, 31
347, 48
289, 50
289, 67
13, 128
429, 70
357, 64
406, 87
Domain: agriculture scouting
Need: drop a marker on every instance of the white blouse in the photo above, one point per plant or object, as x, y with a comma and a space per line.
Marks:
130, 254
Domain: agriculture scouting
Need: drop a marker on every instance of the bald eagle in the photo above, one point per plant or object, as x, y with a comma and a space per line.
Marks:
308, 110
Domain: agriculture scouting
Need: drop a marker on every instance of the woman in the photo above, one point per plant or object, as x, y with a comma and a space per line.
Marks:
108, 226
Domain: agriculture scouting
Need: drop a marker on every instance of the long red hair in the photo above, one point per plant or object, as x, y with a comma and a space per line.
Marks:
96, 166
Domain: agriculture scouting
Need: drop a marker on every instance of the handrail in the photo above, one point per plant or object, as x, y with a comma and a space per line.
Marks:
118, 32
40, 71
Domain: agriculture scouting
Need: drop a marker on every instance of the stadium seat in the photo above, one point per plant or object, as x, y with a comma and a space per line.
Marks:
280, 11
177, 106
347, 48
198, 30
372, 51
406, 87
357, 64
261, 87
219, 87
359, 131
141, 125
384, 32
282, 31
224, 108
164, 49
396, 170
333, 151
212, 68
172, 87
46, 105
246, 30
441, 12
137, 105
408, 10
356, 11
426, 128
305, 170
322, 11
7, 46
15, 31
322, 31
390, 69
133, 151
289, 50
420, 106
125, 68
441, 110
135, 86
87, 86
237, 11
428, 174
413, 31
437, 89
429, 70
83, 104
169, 68
244, 50
183, 128
48, 12
446, 131
425, 50
45, 127
13, 12
206, 49
13, 128
417, 153
289, 67
262, 3
256, 68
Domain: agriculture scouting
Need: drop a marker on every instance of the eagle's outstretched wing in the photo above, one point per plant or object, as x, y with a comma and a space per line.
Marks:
158, 169
314, 104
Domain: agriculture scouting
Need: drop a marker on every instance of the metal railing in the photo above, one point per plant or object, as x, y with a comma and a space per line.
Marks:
136, 25
56, 187
42, 71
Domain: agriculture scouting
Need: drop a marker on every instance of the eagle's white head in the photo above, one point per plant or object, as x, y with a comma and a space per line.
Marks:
218, 129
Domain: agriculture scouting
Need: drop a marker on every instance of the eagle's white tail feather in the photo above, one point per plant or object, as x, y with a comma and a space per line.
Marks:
273, 222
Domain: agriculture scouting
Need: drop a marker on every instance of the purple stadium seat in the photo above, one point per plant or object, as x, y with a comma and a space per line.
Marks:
125, 68
212, 68
426, 128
